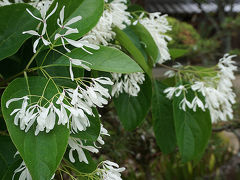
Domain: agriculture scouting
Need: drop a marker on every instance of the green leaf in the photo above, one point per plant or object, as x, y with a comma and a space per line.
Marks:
81, 167
90, 10
58, 71
193, 129
163, 123
147, 41
42, 153
92, 132
105, 59
133, 110
14, 19
7, 160
129, 45
177, 53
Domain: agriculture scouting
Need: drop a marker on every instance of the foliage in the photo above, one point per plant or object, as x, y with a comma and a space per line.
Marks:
79, 55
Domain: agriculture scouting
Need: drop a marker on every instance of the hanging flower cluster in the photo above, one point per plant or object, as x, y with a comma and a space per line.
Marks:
39, 4
128, 83
158, 26
78, 103
109, 171
69, 107
217, 89
115, 14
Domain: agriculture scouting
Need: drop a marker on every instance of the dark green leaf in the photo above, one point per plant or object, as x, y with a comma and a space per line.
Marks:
105, 59
147, 41
163, 123
7, 160
129, 45
90, 10
193, 129
133, 110
58, 71
42, 153
14, 19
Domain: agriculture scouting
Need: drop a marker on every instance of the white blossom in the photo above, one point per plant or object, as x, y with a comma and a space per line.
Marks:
45, 42
157, 25
77, 144
196, 102
128, 83
25, 174
217, 91
43, 11
174, 90
60, 20
110, 171
114, 15
100, 140
185, 103
77, 62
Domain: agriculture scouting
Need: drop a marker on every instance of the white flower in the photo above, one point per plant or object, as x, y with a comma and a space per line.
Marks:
114, 15
78, 44
110, 171
170, 73
77, 62
183, 104
63, 38
43, 12
158, 25
45, 42
40, 5
4, 3
118, 11
25, 174
197, 103
104, 132
128, 83
76, 144
75, 105
46, 119
60, 20
170, 92
174, 90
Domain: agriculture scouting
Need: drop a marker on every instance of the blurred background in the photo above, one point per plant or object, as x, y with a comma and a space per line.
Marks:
203, 30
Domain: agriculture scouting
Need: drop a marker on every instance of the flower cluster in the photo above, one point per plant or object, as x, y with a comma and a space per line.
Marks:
25, 174
110, 171
157, 25
128, 83
217, 90
39, 4
80, 106
115, 14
